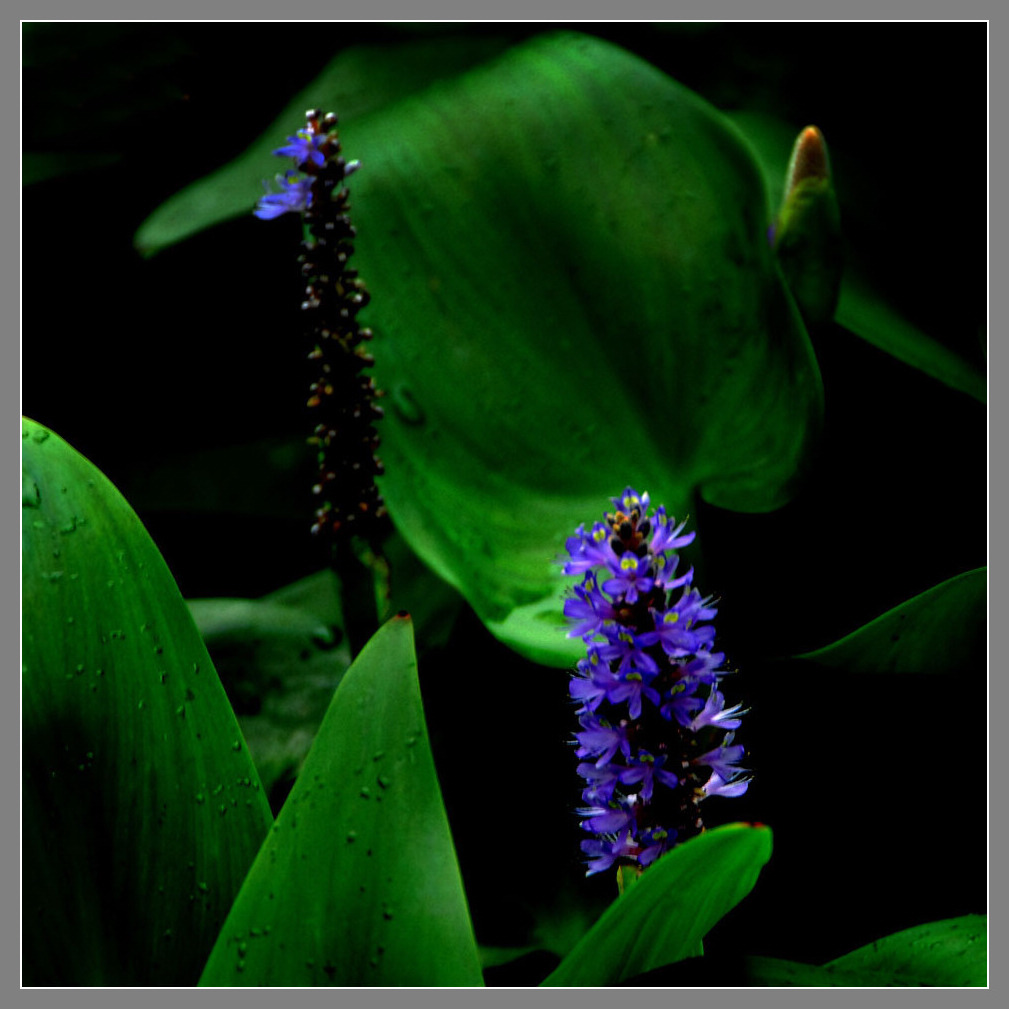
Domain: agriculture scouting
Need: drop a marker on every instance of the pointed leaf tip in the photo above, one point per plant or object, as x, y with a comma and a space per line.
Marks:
809, 159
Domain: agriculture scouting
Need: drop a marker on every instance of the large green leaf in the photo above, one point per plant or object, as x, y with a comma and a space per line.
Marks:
572, 292
942, 627
358, 884
867, 314
951, 953
280, 659
666, 914
142, 809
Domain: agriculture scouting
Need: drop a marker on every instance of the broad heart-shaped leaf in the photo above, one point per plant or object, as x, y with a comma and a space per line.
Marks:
950, 953
572, 292
942, 629
357, 884
666, 914
142, 809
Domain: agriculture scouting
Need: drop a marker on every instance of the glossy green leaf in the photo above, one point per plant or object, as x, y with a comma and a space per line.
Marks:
280, 662
867, 314
945, 625
357, 884
950, 953
862, 308
772, 972
356, 83
664, 916
572, 292
142, 808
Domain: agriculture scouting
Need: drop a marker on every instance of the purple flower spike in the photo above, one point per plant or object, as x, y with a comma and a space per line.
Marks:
648, 692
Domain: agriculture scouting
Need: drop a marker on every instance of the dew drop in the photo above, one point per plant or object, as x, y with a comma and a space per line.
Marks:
31, 497
351, 836
406, 407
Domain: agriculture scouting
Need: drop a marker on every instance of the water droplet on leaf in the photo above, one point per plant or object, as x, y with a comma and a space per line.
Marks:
406, 406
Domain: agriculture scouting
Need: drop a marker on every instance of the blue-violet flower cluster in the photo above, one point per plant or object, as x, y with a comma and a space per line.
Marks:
342, 397
656, 737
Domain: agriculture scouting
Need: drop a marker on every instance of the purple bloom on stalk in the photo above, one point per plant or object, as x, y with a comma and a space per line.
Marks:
592, 682
628, 651
603, 853
631, 575
295, 196
612, 818
654, 843
588, 550
601, 738
590, 607
682, 703
633, 689
715, 713
666, 536
646, 770
648, 690
304, 148
717, 785
722, 759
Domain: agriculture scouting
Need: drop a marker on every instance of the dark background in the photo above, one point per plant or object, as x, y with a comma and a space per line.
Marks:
875, 790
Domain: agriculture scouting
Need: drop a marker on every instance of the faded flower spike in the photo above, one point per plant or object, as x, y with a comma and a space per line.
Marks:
342, 398
656, 737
